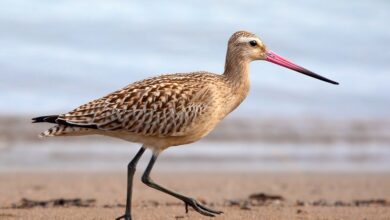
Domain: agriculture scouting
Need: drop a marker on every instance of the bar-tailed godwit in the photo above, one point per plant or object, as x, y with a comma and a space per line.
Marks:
170, 110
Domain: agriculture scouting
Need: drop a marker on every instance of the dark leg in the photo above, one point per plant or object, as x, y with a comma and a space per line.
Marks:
130, 173
187, 200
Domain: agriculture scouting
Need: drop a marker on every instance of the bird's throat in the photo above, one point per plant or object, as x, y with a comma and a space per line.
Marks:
237, 76
237, 73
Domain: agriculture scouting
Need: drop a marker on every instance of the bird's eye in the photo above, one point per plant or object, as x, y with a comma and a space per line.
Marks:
253, 43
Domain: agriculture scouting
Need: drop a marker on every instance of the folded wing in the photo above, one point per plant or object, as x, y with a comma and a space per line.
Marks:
164, 106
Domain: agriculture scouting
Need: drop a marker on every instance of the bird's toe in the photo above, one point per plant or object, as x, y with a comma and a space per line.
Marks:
200, 208
124, 217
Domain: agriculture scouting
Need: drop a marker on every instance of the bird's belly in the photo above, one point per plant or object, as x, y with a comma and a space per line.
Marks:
191, 134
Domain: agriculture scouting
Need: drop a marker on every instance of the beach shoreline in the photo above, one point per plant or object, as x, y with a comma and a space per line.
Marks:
240, 195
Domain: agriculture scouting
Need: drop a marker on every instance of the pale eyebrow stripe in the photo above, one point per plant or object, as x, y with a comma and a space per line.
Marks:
246, 39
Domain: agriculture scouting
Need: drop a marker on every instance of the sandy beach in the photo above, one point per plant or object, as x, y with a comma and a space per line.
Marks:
287, 173
296, 148
254, 195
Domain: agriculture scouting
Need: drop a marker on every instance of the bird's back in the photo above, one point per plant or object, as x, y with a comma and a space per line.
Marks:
176, 107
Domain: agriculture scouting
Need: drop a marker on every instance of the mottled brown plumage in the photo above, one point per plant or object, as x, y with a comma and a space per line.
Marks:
170, 109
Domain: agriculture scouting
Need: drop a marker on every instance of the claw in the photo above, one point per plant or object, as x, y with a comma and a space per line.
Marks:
125, 217
210, 210
200, 208
186, 206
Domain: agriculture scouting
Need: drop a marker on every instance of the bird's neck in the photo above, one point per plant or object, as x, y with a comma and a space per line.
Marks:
237, 76
236, 69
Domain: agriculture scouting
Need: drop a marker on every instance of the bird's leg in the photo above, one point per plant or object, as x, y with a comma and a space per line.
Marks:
130, 174
197, 206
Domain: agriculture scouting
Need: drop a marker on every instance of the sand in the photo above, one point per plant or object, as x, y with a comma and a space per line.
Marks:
297, 195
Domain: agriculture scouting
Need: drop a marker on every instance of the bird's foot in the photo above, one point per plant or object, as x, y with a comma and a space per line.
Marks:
197, 206
125, 217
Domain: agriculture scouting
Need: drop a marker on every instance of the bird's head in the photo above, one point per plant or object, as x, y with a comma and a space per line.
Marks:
246, 46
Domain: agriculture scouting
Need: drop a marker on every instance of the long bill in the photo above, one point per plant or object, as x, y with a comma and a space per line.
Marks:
274, 58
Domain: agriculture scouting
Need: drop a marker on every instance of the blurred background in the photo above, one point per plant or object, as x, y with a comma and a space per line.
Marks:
57, 55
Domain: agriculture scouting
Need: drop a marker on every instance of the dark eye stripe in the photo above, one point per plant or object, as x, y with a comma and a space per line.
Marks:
253, 43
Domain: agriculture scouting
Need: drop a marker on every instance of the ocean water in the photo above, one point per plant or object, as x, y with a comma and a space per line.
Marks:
56, 55
201, 156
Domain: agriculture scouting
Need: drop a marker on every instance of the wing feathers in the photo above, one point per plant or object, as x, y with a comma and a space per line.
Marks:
155, 107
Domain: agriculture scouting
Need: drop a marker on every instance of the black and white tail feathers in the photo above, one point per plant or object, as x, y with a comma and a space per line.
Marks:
62, 128
47, 118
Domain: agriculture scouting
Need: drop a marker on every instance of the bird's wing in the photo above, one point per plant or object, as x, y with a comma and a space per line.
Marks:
150, 107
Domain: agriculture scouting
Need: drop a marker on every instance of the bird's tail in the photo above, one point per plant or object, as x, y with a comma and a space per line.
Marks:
63, 130
59, 129
53, 131
47, 118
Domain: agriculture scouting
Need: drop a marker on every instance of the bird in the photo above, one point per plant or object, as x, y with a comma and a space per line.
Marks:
171, 110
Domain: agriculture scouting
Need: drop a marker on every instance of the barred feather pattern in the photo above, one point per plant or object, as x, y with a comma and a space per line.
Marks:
167, 110
161, 106
62, 130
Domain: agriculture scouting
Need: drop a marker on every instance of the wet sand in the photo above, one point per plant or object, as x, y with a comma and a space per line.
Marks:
255, 195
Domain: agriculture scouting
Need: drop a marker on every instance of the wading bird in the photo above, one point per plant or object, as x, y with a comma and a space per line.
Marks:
170, 110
